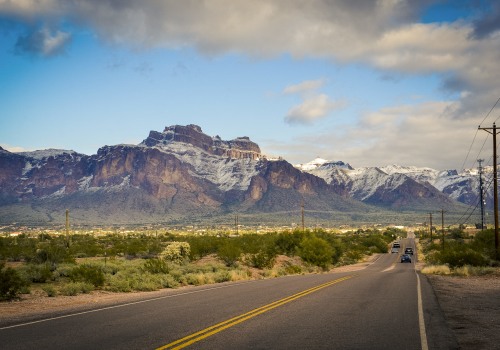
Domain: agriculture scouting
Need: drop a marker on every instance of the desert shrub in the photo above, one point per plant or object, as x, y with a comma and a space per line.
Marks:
62, 271
176, 252
196, 279
222, 276
168, 281
229, 252
436, 270
292, 269
52, 252
37, 273
202, 246
50, 290
75, 288
88, 274
456, 255
11, 283
316, 251
262, 259
468, 270
287, 243
146, 282
117, 284
156, 266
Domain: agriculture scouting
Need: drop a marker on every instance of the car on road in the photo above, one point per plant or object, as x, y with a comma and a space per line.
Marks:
396, 245
394, 250
405, 258
409, 251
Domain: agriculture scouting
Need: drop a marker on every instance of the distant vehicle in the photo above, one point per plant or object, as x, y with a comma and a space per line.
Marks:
396, 245
395, 250
409, 251
405, 258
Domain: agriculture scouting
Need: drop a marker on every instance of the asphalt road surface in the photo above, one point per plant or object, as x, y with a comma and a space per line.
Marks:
386, 305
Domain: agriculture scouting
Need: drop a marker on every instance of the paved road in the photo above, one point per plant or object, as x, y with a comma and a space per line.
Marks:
373, 308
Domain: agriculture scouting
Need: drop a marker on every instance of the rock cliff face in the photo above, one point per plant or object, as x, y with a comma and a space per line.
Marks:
192, 135
178, 173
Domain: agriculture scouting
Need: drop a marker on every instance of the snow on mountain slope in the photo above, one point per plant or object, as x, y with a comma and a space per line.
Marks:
227, 173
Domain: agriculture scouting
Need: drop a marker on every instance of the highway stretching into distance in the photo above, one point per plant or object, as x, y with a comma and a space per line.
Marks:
385, 305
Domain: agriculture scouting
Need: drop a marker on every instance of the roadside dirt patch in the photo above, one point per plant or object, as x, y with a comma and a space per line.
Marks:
471, 306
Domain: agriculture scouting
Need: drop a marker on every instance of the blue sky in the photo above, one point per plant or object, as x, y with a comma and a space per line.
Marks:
371, 83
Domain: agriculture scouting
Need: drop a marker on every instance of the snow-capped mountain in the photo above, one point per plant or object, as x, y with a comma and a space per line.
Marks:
365, 183
178, 174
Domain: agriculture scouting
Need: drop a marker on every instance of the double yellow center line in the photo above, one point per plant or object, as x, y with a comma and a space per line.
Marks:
207, 332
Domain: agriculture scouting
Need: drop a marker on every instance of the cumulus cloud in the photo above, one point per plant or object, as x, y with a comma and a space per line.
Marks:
402, 134
42, 42
311, 109
304, 87
314, 105
383, 34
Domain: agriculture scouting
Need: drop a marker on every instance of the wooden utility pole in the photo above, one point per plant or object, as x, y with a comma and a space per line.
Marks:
481, 192
442, 226
493, 132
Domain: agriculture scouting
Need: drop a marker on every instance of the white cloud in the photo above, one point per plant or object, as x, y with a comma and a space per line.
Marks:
43, 42
304, 87
421, 135
312, 109
381, 33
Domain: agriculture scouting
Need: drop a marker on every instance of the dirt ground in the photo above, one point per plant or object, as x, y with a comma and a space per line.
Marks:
471, 306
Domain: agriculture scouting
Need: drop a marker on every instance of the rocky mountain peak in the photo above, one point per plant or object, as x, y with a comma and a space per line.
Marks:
239, 148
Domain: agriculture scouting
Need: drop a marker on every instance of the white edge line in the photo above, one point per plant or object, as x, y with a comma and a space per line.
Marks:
118, 306
421, 320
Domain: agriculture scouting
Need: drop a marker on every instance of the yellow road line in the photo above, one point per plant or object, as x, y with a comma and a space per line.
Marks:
207, 332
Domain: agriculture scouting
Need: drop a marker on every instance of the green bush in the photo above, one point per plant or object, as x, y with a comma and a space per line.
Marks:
88, 274
11, 283
75, 288
50, 290
316, 251
229, 252
155, 266
459, 255
262, 259
38, 273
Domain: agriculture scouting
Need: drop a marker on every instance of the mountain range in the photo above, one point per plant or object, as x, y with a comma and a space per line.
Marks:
183, 176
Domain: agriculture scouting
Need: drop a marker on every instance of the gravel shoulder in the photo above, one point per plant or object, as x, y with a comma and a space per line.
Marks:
471, 307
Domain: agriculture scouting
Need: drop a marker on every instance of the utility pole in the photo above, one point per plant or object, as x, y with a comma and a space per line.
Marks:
493, 132
236, 224
430, 228
442, 226
481, 193
302, 211
67, 228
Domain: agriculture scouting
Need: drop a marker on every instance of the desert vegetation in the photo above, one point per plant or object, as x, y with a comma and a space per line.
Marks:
461, 254
59, 265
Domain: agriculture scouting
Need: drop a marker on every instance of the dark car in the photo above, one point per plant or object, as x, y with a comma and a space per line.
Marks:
405, 258
409, 251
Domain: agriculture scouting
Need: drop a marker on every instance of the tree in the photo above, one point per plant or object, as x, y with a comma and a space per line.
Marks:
11, 284
316, 251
